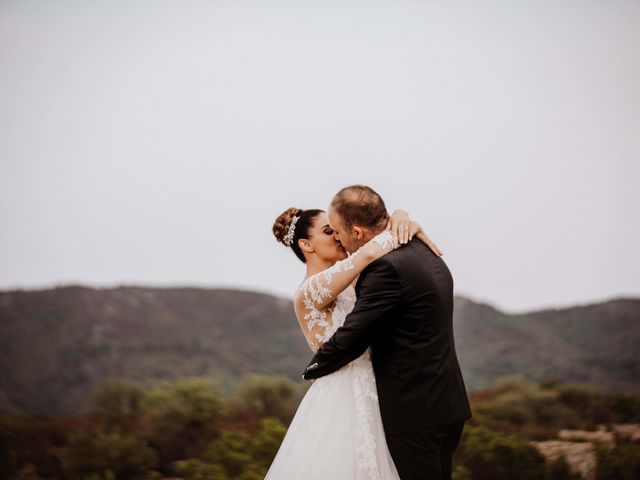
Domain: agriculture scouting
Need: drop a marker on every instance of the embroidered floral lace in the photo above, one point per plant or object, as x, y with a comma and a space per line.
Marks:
317, 291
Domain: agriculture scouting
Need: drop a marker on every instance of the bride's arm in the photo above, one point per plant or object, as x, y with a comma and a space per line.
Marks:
404, 230
314, 298
322, 288
424, 238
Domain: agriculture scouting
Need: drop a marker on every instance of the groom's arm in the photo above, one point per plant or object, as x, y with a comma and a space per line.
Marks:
378, 293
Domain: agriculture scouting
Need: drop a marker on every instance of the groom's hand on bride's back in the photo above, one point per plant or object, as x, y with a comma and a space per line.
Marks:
306, 370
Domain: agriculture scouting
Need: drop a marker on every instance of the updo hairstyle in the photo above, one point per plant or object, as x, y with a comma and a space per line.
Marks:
302, 227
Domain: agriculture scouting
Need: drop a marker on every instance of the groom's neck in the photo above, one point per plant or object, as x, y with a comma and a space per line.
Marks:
377, 229
368, 234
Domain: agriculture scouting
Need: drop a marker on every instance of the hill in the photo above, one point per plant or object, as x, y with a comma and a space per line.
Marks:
594, 344
57, 345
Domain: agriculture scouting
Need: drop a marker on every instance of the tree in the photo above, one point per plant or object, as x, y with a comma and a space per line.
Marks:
117, 397
245, 456
196, 469
269, 397
193, 402
461, 473
107, 455
558, 469
267, 440
494, 456
620, 463
232, 451
7, 454
181, 413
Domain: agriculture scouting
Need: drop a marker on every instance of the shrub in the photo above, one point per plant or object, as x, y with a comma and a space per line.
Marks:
195, 469
558, 469
182, 412
107, 455
494, 456
269, 397
620, 463
246, 456
117, 397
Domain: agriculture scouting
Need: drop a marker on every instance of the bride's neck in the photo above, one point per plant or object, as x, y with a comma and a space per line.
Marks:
315, 265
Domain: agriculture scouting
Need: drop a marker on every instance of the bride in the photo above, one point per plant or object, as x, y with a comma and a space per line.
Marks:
337, 431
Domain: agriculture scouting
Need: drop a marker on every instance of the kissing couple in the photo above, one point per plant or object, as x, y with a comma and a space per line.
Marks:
376, 308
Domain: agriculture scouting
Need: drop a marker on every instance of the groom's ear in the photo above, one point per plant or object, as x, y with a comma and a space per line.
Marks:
358, 233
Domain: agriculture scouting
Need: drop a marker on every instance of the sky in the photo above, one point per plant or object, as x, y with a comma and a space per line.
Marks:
154, 143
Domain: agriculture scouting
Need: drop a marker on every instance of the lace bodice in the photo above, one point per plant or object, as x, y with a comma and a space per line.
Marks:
328, 296
321, 324
343, 305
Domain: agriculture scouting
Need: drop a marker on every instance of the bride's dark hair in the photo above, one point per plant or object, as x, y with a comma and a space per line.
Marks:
301, 230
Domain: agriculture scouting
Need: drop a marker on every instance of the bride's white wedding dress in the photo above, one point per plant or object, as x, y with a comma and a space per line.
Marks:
337, 431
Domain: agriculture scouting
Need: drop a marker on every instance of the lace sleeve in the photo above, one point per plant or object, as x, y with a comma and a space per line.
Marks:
315, 296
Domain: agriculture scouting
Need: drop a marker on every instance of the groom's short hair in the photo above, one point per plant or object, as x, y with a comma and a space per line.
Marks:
360, 205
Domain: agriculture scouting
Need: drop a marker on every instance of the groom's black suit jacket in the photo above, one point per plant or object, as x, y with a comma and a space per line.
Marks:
404, 310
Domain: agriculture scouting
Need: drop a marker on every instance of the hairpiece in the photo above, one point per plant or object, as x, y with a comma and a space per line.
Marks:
288, 238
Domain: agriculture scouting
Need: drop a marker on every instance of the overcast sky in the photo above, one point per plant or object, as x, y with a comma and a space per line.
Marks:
154, 142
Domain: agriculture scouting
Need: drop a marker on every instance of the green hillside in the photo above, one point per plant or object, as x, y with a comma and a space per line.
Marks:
595, 344
58, 345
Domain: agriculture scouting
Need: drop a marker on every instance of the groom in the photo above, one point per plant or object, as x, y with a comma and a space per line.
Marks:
404, 311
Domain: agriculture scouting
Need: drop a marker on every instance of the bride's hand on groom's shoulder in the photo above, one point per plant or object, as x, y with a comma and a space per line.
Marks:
424, 238
404, 229
399, 225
